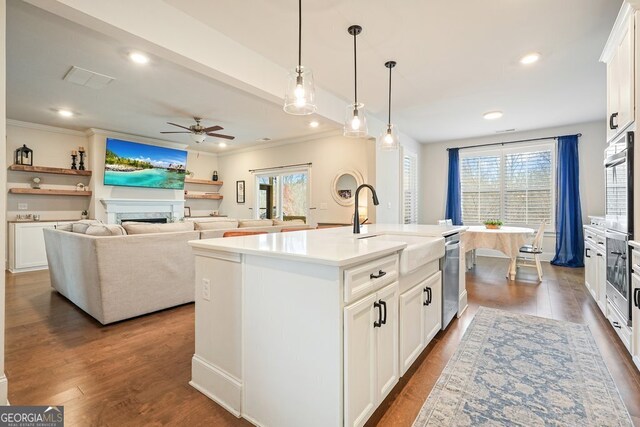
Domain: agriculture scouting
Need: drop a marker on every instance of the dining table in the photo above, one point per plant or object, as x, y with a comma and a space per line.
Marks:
507, 240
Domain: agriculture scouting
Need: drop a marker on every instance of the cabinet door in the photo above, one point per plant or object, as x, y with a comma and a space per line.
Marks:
29, 245
635, 317
387, 342
625, 68
360, 360
601, 281
411, 325
590, 265
613, 96
433, 309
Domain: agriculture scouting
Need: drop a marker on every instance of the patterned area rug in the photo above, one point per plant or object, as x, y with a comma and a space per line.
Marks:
518, 370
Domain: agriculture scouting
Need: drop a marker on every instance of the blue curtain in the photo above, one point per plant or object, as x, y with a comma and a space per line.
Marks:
569, 239
453, 209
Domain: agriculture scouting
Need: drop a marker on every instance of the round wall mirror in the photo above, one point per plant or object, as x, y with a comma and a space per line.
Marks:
344, 187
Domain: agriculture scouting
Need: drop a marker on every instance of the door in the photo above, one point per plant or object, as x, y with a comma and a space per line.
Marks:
387, 342
613, 95
29, 245
635, 316
625, 69
590, 266
265, 201
360, 360
432, 306
289, 194
411, 325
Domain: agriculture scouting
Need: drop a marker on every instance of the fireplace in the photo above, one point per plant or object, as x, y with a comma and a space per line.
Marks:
149, 220
119, 210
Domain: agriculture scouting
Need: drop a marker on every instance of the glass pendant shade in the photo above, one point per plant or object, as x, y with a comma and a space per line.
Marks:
355, 123
389, 139
300, 96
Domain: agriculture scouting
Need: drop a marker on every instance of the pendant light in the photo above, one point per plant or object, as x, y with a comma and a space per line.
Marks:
389, 138
355, 124
299, 98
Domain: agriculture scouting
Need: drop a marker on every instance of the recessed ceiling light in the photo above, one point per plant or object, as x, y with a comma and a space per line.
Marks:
222, 144
65, 113
265, 139
314, 124
530, 58
139, 58
492, 115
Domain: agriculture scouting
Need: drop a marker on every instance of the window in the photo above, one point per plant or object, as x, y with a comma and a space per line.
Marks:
512, 184
283, 195
410, 189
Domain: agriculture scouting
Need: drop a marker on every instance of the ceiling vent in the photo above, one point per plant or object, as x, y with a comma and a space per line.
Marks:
87, 78
505, 130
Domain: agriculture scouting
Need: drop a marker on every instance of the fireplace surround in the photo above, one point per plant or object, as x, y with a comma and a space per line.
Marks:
118, 210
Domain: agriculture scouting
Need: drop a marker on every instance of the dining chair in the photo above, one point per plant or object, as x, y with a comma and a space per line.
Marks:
242, 233
531, 252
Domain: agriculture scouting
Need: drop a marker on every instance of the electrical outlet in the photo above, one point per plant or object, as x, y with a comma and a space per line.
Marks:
23, 206
206, 289
323, 206
389, 205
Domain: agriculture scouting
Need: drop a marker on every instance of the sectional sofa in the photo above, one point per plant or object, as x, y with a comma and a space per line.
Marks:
115, 272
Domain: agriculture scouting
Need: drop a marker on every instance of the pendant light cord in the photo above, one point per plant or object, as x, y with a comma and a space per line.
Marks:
299, 36
389, 122
355, 70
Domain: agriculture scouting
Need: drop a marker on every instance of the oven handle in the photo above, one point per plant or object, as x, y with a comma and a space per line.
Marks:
616, 159
616, 236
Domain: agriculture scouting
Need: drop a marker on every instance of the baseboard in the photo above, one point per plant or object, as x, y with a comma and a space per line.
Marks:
26, 269
4, 391
462, 302
216, 384
636, 360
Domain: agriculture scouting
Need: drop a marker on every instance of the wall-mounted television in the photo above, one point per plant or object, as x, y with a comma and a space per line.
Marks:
131, 164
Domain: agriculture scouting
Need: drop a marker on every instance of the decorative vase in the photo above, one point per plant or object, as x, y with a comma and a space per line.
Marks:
492, 226
215, 175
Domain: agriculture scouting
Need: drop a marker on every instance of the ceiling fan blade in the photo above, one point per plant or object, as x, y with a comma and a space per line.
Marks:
212, 128
180, 126
219, 135
176, 132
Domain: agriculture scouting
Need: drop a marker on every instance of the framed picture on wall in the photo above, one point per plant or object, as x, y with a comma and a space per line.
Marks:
187, 211
239, 191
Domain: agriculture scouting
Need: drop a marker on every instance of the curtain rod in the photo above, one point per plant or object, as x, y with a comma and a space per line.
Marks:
280, 167
510, 142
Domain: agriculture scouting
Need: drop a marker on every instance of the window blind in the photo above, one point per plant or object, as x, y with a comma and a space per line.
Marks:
410, 189
480, 185
528, 197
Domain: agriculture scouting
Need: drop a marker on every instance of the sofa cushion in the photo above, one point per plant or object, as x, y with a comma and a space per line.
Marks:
147, 228
216, 225
289, 222
243, 223
105, 230
82, 225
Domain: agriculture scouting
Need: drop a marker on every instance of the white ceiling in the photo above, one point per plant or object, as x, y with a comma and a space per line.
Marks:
41, 48
456, 59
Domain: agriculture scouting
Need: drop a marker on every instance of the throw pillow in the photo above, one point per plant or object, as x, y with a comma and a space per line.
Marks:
216, 225
105, 230
289, 222
147, 228
255, 223
82, 225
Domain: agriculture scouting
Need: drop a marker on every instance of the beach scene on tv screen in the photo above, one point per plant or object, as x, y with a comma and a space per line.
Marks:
139, 165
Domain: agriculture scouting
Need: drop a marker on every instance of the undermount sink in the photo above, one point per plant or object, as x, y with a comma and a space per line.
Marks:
420, 250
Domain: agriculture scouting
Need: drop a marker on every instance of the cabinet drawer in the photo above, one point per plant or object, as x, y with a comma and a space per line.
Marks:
365, 278
635, 266
619, 325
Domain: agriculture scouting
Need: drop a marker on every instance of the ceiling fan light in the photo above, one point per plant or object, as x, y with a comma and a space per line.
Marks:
355, 123
299, 99
198, 137
389, 139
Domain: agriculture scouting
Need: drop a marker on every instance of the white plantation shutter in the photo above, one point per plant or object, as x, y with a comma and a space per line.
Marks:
410, 189
515, 185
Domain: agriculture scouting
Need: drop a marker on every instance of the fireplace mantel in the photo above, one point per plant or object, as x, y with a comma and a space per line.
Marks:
117, 208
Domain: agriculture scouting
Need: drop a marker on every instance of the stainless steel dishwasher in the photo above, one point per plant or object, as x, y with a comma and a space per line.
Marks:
450, 266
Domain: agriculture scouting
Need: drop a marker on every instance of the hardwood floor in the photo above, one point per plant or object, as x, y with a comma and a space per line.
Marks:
136, 372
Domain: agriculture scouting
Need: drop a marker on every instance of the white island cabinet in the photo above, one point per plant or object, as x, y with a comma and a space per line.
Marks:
314, 327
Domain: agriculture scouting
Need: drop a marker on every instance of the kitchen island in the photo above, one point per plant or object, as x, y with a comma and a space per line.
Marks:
314, 327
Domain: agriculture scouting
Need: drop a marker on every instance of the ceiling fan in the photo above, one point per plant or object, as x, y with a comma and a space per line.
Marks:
199, 132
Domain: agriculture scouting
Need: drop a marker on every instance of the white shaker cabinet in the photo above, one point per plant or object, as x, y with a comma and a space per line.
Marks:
620, 59
370, 353
590, 269
635, 317
26, 246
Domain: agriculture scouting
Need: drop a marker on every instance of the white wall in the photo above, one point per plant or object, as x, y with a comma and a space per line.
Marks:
433, 175
3, 180
329, 155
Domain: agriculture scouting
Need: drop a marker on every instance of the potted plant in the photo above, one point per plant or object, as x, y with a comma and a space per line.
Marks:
84, 214
493, 224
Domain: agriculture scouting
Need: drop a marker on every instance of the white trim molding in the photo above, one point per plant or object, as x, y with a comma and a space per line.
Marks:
116, 207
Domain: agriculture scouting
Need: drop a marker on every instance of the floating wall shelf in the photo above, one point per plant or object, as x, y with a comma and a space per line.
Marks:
49, 192
203, 196
46, 169
201, 181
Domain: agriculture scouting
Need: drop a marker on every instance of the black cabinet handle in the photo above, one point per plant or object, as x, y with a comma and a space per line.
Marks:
380, 274
378, 323
611, 125
427, 290
384, 319
636, 297
586, 252
617, 325
599, 254
616, 253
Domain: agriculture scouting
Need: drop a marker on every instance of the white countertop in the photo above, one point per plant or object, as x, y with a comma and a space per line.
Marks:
330, 246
